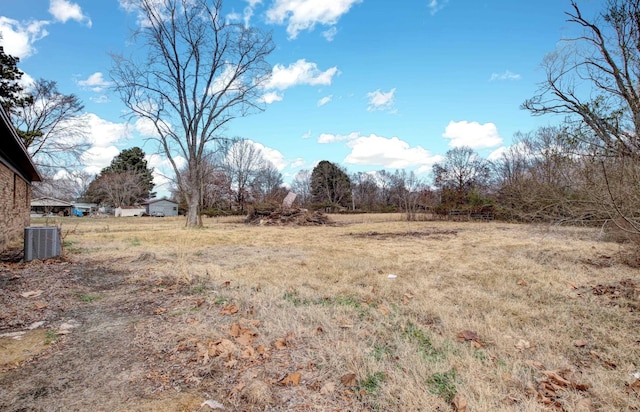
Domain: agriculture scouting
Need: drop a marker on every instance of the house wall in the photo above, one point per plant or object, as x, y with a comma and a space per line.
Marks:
15, 197
165, 206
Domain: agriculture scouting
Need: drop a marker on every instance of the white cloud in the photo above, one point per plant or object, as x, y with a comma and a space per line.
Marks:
299, 73
472, 134
95, 82
297, 162
145, 127
18, 37
272, 155
271, 97
100, 99
325, 100
103, 133
97, 158
332, 138
497, 154
307, 135
300, 15
507, 75
379, 100
330, 34
390, 153
436, 5
163, 173
63, 10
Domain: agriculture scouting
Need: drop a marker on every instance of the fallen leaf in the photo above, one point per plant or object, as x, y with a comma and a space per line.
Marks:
319, 329
226, 284
280, 344
384, 310
522, 282
523, 345
229, 310
472, 337
580, 343
212, 404
199, 302
572, 285
633, 387
39, 305
460, 403
31, 294
292, 380
159, 311
348, 380
327, 388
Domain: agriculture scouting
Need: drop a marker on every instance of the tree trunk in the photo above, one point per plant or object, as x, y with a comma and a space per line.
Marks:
194, 218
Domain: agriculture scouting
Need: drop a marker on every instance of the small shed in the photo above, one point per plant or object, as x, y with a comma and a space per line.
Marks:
163, 206
128, 211
46, 206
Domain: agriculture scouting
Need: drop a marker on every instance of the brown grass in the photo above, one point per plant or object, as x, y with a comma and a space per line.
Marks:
318, 301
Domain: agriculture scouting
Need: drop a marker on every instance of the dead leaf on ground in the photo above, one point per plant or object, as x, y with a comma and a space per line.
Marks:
633, 387
212, 404
160, 311
523, 345
280, 344
522, 282
31, 294
580, 343
328, 388
460, 403
226, 284
572, 285
39, 305
470, 336
348, 379
229, 310
384, 310
291, 380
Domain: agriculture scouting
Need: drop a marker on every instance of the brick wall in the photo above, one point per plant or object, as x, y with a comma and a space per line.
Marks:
15, 199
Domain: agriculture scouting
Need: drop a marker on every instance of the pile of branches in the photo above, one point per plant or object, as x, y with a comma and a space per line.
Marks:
287, 217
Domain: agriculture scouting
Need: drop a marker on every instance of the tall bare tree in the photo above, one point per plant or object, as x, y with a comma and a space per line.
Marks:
242, 163
201, 71
594, 81
53, 127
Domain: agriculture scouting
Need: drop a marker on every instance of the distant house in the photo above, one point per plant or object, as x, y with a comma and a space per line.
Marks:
162, 206
17, 172
44, 206
128, 211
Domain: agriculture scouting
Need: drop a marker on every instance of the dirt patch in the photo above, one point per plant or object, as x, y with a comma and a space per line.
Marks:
433, 234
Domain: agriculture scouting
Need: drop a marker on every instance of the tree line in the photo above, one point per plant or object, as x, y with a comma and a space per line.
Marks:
201, 71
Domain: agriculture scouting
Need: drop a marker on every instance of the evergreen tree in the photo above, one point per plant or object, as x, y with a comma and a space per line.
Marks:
11, 92
330, 185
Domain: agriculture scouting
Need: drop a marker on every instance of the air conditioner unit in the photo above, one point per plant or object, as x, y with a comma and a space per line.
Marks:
42, 242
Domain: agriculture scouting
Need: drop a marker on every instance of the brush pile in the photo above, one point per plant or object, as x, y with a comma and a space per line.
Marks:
287, 217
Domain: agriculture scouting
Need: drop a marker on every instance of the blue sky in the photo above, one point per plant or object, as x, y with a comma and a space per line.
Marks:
367, 84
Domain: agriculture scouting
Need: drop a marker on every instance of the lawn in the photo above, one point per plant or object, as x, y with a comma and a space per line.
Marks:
370, 313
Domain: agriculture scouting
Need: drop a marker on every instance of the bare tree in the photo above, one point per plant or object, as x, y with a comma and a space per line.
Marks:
593, 81
52, 127
117, 189
407, 192
242, 163
200, 72
462, 172
266, 185
301, 185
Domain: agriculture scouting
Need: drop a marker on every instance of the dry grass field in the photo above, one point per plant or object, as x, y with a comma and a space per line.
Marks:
372, 313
